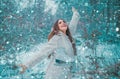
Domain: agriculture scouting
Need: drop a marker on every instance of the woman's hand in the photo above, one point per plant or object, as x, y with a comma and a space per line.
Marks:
74, 10
23, 68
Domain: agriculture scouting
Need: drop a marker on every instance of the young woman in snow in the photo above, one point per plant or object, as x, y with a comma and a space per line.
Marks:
60, 49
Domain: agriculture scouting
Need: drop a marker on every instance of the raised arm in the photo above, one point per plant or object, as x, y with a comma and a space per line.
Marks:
74, 21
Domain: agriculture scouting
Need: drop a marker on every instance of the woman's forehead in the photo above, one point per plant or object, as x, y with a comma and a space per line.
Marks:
60, 20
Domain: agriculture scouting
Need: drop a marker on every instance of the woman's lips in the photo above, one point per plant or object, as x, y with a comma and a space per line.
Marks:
64, 26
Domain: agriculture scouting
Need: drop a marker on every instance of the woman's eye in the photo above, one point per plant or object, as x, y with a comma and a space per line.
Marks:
59, 22
64, 21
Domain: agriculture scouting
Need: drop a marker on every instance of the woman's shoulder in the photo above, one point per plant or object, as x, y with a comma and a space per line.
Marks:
56, 37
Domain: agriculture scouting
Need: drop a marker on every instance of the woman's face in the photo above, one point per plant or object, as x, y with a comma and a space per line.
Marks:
62, 25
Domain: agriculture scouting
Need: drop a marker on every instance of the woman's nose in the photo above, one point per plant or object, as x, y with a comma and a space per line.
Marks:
64, 23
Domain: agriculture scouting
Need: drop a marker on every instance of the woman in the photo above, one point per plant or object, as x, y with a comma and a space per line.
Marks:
60, 49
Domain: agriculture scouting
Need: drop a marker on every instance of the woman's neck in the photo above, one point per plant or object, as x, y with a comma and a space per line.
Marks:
63, 32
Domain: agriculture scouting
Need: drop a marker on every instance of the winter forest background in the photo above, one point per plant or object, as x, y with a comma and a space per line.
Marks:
25, 25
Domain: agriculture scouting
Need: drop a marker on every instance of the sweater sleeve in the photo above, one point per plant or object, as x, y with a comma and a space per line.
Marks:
74, 22
47, 49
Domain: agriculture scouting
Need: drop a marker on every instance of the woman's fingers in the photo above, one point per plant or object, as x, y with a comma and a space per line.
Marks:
21, 72
23, 68
73, 9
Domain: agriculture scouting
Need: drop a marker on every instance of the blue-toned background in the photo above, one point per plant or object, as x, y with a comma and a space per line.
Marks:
25, 24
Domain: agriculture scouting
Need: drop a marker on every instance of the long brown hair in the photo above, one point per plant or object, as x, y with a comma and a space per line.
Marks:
55, 30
